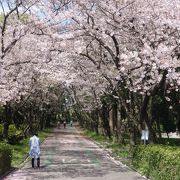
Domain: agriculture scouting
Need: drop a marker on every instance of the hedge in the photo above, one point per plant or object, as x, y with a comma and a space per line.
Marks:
5, 158
14, 134
158, 162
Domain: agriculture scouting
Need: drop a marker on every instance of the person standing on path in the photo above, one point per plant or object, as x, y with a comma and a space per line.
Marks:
71, 123
64, 123
34, 152
58, 125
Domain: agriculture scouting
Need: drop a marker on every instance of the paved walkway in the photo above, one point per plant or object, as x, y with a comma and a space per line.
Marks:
68, 155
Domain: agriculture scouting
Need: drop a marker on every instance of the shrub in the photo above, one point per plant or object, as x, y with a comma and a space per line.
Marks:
1, 132
13, 130
1, 128
14, 135
157, 161
5, 158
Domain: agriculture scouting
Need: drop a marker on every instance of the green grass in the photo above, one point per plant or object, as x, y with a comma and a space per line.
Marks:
157, 161
167, 150
119, 150
21, 150
94, 136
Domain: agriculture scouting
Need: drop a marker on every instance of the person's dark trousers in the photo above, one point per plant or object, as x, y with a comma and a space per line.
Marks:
32, 162
38, 162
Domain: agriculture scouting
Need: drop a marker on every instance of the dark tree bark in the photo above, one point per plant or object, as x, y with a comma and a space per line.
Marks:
144, 119
105, 122
6, 120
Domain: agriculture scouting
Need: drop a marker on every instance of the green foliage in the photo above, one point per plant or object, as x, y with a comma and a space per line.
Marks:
157, 161
175, 112
160, 112
13, 130
120, 150
160, 162
14, 135
22, 18
170, 141
95, 136
20, 152
5, 158
1, 132
1, 18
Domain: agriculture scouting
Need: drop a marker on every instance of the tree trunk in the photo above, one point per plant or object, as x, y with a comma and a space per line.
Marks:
159, 128
5, 130
6, 120
105, 116
100, 124
132, 134
111, 121
48, 120
41, 122
144, 119
95, 121
120, 128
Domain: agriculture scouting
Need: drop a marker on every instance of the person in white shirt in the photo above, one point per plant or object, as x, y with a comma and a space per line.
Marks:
71, 123
64, 123
34, 152
58, 125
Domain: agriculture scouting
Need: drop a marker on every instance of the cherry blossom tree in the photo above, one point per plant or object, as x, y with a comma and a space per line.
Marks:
134, 43
22, 51
127, 51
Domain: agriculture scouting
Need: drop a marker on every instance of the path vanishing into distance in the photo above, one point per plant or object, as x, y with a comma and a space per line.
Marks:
66, 154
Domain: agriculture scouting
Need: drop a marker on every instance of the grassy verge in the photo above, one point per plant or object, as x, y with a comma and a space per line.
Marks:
94, 136
120, 151
153, 160
20, 151
160, 162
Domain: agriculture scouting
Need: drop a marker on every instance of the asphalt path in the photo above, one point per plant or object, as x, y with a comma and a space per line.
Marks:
66, 154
